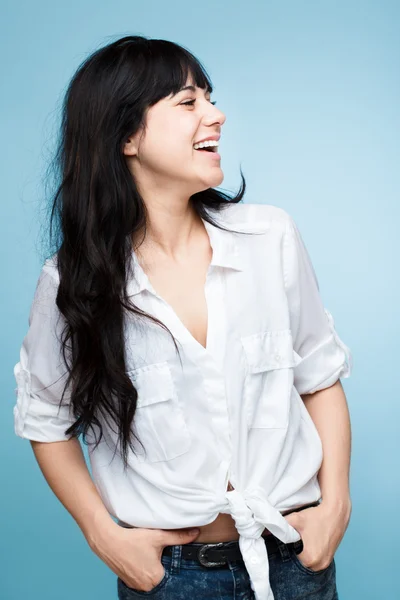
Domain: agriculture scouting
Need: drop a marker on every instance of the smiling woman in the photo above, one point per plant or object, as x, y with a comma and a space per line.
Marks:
170, 327
162, 151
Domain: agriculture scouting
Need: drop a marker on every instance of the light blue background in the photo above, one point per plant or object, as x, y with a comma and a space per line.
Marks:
311, 91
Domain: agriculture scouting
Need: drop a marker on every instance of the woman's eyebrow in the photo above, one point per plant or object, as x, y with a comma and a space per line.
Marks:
192, 89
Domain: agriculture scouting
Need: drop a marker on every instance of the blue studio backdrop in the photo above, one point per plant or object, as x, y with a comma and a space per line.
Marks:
311, 92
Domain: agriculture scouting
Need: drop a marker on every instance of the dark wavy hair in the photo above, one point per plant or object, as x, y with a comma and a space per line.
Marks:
94, 213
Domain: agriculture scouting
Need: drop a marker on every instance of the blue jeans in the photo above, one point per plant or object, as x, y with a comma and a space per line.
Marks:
189, 580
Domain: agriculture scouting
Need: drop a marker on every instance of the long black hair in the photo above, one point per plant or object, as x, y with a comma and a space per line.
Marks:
96, 210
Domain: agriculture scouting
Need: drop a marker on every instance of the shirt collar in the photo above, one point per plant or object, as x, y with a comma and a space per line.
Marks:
225, 254
225, 247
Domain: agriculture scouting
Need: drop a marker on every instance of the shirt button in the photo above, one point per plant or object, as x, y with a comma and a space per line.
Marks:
254, 560
278, 357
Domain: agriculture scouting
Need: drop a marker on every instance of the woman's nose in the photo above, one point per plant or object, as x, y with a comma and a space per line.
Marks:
216, 116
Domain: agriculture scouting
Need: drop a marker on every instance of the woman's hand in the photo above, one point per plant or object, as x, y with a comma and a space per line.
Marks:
321, 528
135, 554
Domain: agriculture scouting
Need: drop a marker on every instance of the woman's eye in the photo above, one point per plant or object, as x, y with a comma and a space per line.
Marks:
191, 102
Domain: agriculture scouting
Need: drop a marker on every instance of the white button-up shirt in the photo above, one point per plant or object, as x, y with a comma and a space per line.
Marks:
229, 412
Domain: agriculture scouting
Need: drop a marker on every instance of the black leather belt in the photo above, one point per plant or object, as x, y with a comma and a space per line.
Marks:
216, 555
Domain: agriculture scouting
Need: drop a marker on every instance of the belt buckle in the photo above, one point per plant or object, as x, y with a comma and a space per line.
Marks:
209, 563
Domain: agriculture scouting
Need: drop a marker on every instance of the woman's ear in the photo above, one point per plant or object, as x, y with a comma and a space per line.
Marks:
130, 146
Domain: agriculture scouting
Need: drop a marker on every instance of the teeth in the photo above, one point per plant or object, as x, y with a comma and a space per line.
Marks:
206, 144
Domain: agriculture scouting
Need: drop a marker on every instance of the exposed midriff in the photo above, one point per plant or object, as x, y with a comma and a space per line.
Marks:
222, 529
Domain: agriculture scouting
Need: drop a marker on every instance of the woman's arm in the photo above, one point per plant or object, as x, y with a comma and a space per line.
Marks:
132, 554
64, 468
323, 527
329, 412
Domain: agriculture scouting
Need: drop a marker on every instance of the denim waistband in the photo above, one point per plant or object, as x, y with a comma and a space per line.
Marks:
176, 561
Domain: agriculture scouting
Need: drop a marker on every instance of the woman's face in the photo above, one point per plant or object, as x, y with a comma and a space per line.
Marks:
162, 157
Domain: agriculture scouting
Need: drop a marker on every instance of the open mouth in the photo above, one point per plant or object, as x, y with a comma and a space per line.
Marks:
209, 146
209, 149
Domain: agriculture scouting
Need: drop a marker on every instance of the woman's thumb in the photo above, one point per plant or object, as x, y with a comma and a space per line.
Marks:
292, 519
180, 536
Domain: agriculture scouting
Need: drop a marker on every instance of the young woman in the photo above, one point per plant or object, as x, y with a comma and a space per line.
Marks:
182, 333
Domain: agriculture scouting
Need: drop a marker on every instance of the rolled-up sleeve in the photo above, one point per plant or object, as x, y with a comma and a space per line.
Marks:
322, 357
40, 373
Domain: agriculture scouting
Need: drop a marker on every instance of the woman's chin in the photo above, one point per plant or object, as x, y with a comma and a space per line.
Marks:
214, 178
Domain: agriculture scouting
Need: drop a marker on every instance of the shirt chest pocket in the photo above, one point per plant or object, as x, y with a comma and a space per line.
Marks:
269, 379
159, 420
